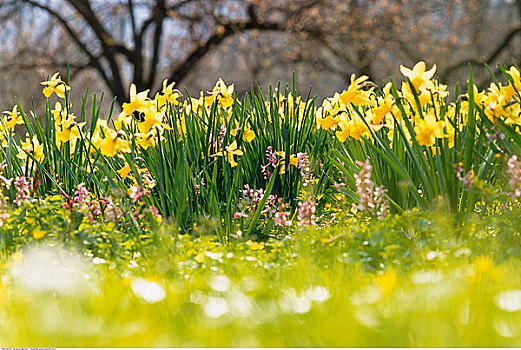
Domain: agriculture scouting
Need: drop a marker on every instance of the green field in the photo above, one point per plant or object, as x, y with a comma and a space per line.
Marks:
384, 216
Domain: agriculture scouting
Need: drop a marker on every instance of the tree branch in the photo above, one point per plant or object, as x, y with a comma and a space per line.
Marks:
160, 14
108, 44
223, 32
74, 36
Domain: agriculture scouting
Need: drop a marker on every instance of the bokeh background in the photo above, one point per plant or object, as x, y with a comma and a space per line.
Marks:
111, 43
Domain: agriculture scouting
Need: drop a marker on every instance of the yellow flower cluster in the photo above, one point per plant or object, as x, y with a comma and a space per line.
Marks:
350, 114
342, 112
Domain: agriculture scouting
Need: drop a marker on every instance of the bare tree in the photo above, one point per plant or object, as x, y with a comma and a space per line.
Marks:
119, 39
141, 40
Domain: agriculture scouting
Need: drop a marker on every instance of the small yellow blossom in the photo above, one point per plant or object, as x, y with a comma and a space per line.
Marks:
137, 101
418, 76
38, 234
230, 152
255, 245
55, 85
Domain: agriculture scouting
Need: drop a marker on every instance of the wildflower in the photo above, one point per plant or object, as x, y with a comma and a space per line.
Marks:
468, 180
23, 189
230, 152
155, 212
370, 199
38, 234
55, 85
418, 76
239, 214
282, 216
514, 171
136, 193
271, 157
13, 117
304, 166
137, 101
112, 143
255, 245
306, 213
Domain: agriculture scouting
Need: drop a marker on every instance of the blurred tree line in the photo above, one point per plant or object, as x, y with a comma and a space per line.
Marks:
111, 43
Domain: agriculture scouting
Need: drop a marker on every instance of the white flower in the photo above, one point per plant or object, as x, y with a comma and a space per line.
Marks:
149, 291
220, 283
216, 307
509, 300
318, 294
50, 269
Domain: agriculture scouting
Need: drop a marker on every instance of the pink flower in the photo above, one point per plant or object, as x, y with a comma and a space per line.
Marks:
306, 213
514, 170
282, 215
370, 199
23, 189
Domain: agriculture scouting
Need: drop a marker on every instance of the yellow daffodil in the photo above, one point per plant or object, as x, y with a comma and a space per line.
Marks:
13, 117
112, 143
146, 140
426, 130
34, 148
123, 172
69, 130
137, 101
293, 160
168, 95
230, 152
222, 93
151, 121
355, 94
419, 77
55, 85
330, 121
248, 136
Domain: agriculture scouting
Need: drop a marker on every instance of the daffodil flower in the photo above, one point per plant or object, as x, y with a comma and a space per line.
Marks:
230, 152
123, 172
168, 95
55, 85
146, 140
13, 118
248, 136
34, 148
223, 94
137, 101
418, 76
426, 130
112, 143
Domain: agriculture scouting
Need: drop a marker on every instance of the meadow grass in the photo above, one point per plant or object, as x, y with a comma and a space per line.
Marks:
382, 217
412, 280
